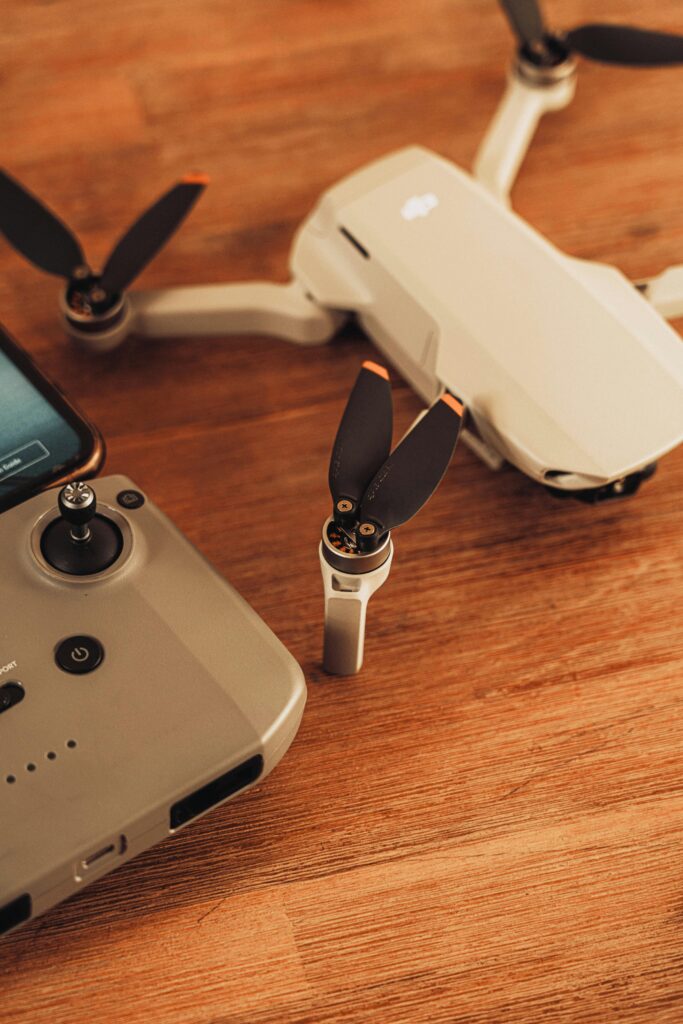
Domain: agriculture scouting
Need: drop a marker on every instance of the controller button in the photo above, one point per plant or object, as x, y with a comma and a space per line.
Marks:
10, 694
79, 655
130, 499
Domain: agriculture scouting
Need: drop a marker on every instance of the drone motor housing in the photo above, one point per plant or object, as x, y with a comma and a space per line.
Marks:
566, 369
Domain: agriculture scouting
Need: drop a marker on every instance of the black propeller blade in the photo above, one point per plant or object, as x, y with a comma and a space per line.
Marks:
525, 20
36, 232
619, 44
363, 440
413, 471
39, 235
143, 240
374, 491
608, 44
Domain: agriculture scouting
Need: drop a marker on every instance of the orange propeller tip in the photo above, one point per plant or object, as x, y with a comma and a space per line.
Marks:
196, 178
453, 403
376, 368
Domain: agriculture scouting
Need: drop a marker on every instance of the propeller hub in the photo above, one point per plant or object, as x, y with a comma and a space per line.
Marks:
545, 62
341, 552
88, 306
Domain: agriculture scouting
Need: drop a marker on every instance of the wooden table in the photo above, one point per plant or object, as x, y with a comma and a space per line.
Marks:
486, 825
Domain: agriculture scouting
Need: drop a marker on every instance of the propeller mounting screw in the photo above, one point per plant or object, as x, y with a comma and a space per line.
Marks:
344, 505
367, 529
98, 295
80, 273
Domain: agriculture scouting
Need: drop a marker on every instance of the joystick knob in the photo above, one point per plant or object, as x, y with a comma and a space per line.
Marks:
80, 541
78, 505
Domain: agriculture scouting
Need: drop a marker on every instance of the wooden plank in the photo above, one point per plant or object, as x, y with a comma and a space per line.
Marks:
484, 826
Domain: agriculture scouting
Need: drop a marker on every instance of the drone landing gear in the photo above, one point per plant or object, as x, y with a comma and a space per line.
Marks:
623, 488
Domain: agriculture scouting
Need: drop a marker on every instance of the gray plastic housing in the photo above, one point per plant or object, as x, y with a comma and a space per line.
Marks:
192, 685
566, 369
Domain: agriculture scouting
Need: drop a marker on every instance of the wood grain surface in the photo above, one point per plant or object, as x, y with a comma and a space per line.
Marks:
486, 825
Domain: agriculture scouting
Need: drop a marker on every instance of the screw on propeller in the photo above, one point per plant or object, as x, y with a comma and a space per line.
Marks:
605, 43
385, 490
43, 239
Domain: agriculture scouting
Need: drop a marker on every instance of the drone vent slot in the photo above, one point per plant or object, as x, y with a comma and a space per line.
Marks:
355, 243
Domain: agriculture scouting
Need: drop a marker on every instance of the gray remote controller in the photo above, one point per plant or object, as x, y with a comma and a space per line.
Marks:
137, 690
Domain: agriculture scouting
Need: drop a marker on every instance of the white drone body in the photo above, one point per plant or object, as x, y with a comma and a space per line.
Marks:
568, 370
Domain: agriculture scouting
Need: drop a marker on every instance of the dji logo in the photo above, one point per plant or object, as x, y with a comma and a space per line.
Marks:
419, 206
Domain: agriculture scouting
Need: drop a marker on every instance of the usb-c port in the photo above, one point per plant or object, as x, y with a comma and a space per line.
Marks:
100, 858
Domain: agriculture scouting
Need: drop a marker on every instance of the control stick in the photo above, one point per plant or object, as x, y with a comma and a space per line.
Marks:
80, 541
77, 504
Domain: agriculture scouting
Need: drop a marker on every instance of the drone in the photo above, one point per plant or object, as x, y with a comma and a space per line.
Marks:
567, 370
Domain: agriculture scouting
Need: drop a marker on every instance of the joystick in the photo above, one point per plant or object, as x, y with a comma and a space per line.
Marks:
77, 504
81, 541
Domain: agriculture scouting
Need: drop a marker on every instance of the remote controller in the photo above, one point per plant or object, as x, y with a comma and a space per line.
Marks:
137, 690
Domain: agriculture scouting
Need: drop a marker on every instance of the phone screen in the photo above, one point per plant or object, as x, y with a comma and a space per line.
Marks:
43, 439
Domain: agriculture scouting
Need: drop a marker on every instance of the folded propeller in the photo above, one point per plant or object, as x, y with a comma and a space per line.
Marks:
41, 237
608, 44
372, 490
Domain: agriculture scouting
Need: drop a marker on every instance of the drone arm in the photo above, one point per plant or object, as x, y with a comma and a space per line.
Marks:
665, 292
346, 602
513, 126
285, 311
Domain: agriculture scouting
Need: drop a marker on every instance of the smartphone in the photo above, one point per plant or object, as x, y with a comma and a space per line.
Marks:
44, 439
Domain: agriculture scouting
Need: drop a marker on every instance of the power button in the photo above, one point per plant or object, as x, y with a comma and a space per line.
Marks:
79, 655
